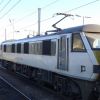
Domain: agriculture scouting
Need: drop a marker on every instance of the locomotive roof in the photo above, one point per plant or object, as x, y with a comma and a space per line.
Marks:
91, 28
84, 28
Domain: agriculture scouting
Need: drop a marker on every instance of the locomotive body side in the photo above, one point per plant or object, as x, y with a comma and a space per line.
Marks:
34, 58
67, 62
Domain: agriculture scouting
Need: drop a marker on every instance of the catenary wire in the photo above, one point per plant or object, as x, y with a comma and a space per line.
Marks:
73, 9
44, 7
5, 6
66, 11
32, 13
1, 2
10, 9
82, 6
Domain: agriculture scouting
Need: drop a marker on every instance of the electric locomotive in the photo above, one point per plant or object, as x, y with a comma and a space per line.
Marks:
68, 59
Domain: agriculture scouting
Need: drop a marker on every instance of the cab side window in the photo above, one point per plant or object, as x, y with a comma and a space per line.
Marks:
77, 43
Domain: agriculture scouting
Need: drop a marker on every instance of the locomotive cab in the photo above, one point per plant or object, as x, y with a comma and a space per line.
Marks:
94, 42
82, 55
82, 46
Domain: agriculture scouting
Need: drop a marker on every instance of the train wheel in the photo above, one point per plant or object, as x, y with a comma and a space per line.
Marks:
67, 87
73, 90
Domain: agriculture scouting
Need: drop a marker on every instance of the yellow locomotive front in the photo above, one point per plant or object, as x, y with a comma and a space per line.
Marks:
94, 41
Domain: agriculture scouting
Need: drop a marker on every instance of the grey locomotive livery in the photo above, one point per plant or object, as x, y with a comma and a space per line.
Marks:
68, 59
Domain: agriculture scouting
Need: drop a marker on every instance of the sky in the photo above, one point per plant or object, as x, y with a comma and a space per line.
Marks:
18, 18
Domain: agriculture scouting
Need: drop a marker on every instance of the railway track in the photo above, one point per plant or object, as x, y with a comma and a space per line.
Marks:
28, 88
9, 92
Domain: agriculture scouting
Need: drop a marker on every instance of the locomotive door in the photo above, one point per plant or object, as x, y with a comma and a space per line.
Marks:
63, 53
